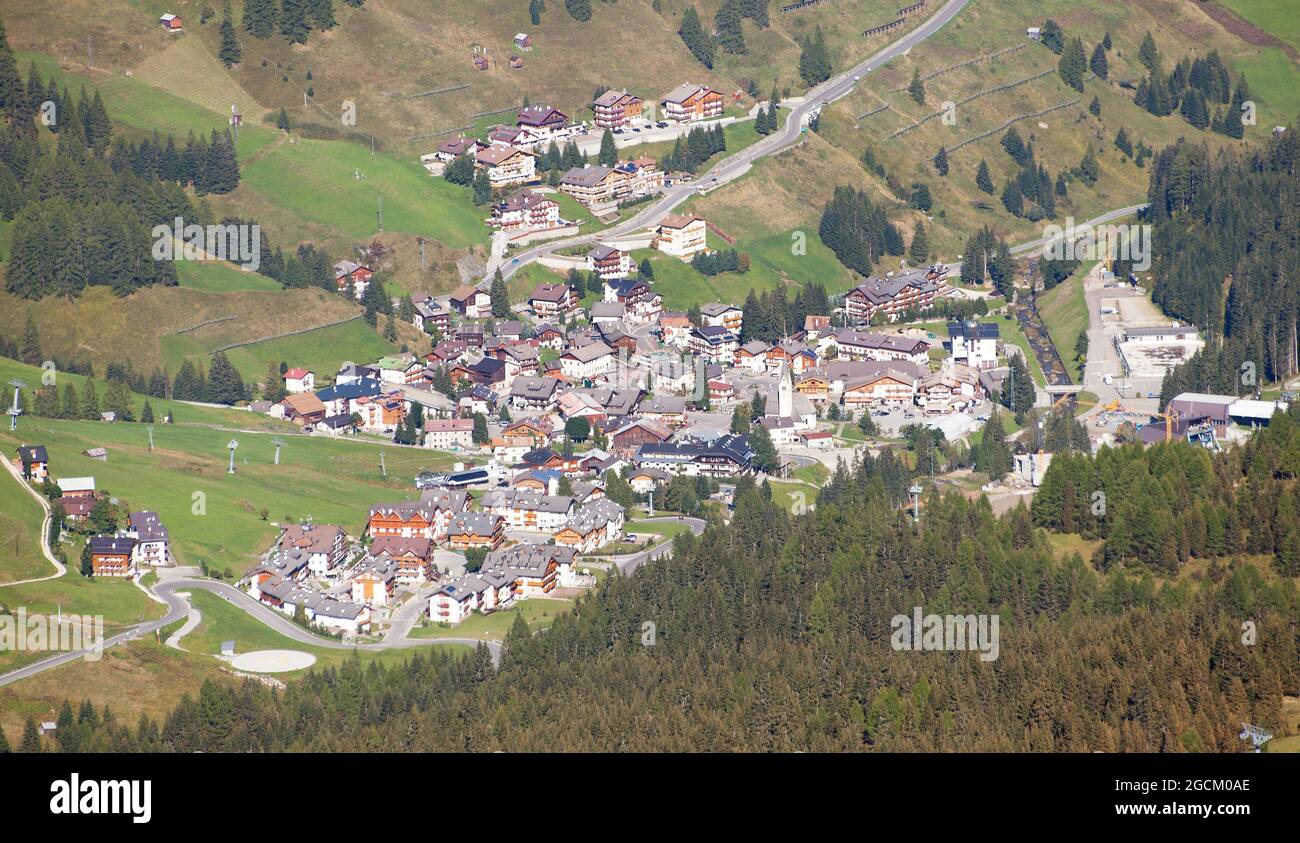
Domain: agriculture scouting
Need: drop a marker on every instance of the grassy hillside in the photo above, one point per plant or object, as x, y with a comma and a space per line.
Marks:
333, 481
20, 533
322, 350
789, 195
1064, 311
142, 327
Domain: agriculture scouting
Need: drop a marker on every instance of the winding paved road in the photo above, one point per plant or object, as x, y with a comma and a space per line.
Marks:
171, 592
738, 164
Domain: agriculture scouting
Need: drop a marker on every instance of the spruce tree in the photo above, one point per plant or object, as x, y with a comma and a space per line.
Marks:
919, 251
696, 39
500, 296
941, 162
726, 23
1072, 65
230, 53
916, 89
608, 155
815, 64
260, 17
293, 20
580, 10
982, 179
1148, 54
1098, 64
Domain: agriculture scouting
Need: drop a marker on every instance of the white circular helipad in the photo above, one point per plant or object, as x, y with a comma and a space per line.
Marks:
273, 661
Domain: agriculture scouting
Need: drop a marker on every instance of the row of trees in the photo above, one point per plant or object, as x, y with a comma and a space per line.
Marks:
294, 19
690, 153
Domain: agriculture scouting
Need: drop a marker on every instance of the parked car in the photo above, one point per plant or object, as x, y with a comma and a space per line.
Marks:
662, 124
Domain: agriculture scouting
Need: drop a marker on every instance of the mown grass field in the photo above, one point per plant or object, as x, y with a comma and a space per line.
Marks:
221, 277
321, 350
339, 185
20, 533
1274, 17
538, 612
214, 517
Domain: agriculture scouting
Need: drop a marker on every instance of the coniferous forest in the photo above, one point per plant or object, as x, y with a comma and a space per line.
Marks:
1226, 256
773, 633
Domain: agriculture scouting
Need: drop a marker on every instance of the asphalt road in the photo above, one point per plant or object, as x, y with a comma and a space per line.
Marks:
629, 563
178, 607
736, 165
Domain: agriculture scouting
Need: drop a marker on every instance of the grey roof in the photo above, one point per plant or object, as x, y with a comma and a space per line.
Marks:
586, 176
664, 404
526, 499
535, 389
590, 352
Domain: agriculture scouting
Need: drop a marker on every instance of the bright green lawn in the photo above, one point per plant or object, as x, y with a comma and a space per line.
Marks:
213, 516
20, 528
321, 350
221, 277
1065, 314
539, 612
317, 182
1276, 17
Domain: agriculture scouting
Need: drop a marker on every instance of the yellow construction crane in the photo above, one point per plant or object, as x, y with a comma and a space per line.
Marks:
1170, 417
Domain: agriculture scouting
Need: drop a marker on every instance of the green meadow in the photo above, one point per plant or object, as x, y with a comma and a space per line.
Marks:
215, 517
144, 108
221, 277
321, 350
20, 533
340, 185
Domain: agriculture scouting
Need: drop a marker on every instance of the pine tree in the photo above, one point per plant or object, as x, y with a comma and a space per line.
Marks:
916, 89
696, 39
13, 95
992, 455
230, 52
726, 23
1051, 36
225, 386
30, 350
608, 156
31, 741
293, 21
535, 12
941, 162
1089, 171
919, 251
815, 64
89, 401
1094, 107
1098, 65
1148, 54
260, 17
146, 414
322, 16
1072, 65
500, 296
982, 179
